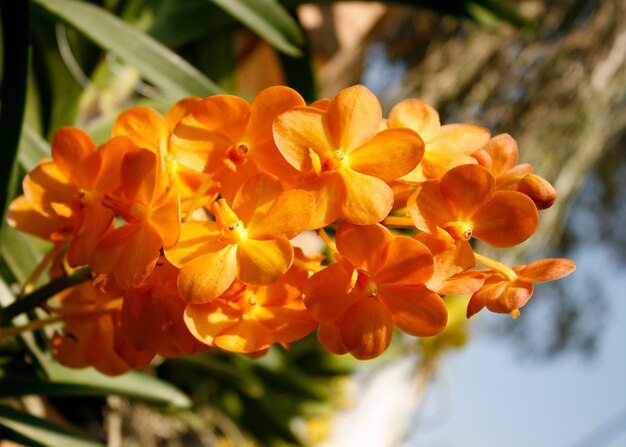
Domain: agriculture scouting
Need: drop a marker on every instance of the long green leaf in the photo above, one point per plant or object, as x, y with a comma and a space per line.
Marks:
27, 429
156, 62
13, 92
89, 382
269, 20
33, 147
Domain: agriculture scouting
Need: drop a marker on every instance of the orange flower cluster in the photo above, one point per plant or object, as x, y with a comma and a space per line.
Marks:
187, 222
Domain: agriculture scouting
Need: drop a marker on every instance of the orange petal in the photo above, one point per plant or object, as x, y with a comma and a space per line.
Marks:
289, 216
76, 156
354, 116
263, 262
287, 323
330, 337
366, 329
459, 138
112, 154
464, 283
367, 200
96, 220
46, 184
224, 114
138, 176
449, 263
166, 218
207, 321
196, 239
266, 106
544, 270
436, 164
245, 336
390, 154
416, 115
299, 130
325, 293
406, 262
467, 188
255, 198
503, 152
541, 192
208, 276
428, 208
138, 257
327, 191
415, 310
362, 245
508, 219
130, 253
195, 147
146, 127
22, 216
179, 110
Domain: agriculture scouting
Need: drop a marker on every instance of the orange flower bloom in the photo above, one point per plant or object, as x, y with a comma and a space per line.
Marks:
506, 291
152, 315
250, 319
249, 242
91, 333
345, 159
67, 193
465, 204
232, 140
500, 156
152, 213
445, 146
377, 284
149, 130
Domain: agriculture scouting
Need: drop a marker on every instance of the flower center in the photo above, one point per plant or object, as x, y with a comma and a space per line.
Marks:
228, 223
460, 231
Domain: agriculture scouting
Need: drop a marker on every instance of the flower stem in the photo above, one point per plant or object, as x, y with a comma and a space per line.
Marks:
327, 239
310, 266
494, 265
42, 294
398, 222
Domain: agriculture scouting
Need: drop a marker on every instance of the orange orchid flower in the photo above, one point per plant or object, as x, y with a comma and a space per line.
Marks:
445, 146
465, 204
249, 241
377, 284
500, 157
148, 129
67, 193
507, 290
90, 336
151, 317
151, 210
345, 160
250, 319
232, 140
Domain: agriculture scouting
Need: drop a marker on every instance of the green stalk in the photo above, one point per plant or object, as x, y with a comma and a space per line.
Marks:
43, 294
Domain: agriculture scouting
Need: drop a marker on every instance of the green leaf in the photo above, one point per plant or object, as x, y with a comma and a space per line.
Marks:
33, 147
19, 252
12, 93
89, 382
157, 63
27, 429
269, 20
